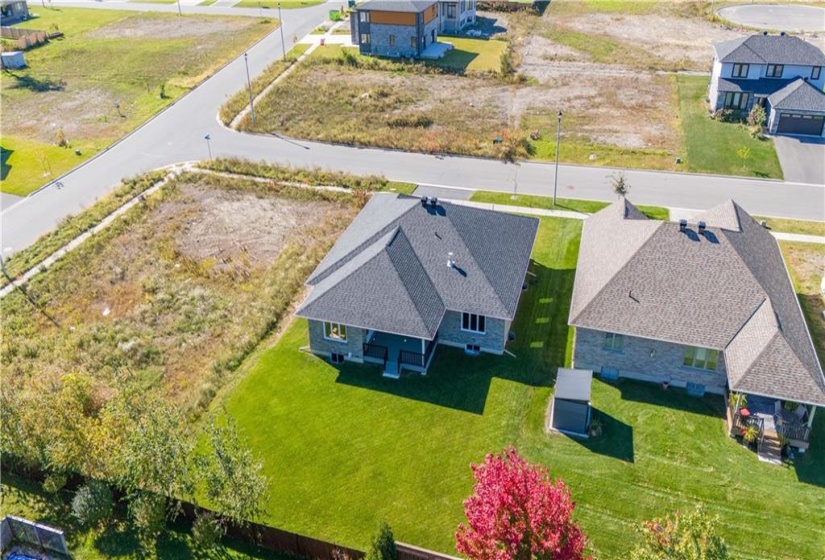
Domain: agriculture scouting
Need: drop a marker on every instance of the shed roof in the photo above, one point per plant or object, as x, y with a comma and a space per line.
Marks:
573, 384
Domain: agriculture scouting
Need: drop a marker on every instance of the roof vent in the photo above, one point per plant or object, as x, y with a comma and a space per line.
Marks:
702, 227
765, 33
782, 33
682, 225
433, 201
425, 200
450, 260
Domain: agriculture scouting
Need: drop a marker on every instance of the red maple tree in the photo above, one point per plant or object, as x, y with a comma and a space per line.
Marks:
516, 512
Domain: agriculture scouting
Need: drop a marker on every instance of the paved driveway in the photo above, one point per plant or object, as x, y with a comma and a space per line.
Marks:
777, 17
802, 159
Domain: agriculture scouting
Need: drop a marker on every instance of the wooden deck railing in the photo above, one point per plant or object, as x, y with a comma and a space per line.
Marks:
377, 352
797, 432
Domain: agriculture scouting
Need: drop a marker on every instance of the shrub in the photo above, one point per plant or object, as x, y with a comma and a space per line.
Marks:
207, 530
93, 503
383, 545
757, 116
724, 115
54, 483
677, 537
741, 397
148, 513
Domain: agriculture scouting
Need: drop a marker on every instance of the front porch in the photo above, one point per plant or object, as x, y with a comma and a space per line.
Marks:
771, 423
396, 352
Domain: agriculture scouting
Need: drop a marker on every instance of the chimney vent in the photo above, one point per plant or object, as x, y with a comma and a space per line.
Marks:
782, 34
682, 225
450, 260
702, 227
425, 200
433, 201
765, 33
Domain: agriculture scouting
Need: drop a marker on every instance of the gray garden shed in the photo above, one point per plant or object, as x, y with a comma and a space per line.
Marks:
570, 411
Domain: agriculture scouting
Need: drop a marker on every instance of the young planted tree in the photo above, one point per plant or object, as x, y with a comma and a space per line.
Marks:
517, 512
677, 537
383, 545
620, 185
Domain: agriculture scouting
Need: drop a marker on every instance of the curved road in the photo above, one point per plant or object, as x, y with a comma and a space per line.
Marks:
177, 135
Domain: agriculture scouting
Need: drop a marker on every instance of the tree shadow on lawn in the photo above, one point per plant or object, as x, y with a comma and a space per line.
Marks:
5, 168
655, 394
616, 439
456, 60
26, 81
456, 380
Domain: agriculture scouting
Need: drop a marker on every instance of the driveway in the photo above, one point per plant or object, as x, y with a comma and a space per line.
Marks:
777, 17
802, 158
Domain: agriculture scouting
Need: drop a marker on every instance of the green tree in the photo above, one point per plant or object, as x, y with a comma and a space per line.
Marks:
231, 476
148, 514
682, 537
620, 185
92, 503
383, 545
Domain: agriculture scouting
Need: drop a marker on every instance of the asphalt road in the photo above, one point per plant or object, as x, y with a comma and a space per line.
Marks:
177, 134
777, 17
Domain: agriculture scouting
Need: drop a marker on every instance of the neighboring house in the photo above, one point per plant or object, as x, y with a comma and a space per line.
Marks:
456, 15
754, 69
395, 28
704, 306
12, 11
409, 274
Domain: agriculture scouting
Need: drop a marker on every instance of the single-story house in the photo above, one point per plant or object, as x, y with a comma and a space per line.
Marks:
12, 11
751, 70
412, 273
395, 28
708, 306
456, 15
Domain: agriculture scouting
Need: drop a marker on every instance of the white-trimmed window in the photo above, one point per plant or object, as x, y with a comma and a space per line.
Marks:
365, 38
473, 323
613, 341
740, 70
451, 11
775, 70
364, 16
335, 331
816, 72
701, 358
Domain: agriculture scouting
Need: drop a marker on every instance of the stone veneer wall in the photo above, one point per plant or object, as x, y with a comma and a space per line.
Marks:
493, 340
635, 362
380, 40
352, 349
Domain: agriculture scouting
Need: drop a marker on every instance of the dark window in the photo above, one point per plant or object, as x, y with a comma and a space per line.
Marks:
816, 72
740, 70
775, 70
451, 11
414, 42
736, 101
365, 38
471, 322
613, 341
392, 40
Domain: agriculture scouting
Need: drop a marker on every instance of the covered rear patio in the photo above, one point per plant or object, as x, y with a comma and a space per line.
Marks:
396, 352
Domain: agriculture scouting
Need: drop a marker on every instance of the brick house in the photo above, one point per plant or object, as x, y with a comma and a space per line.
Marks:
706, 306
410, 274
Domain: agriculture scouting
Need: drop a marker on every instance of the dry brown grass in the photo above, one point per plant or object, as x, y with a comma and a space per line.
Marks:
175, 294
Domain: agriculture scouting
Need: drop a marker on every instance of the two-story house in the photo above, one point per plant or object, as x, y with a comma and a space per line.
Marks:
395, 28
780, 72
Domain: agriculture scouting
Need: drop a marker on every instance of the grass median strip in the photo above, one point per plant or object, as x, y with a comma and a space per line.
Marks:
569, 204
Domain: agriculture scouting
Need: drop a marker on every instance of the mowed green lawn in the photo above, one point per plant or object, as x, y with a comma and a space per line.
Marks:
345, 449
102, 80
473, 55
712, 146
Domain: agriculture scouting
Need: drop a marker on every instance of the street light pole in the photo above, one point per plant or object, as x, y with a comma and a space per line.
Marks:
180, 13
249, 86
208, 147
556, 175
281, 24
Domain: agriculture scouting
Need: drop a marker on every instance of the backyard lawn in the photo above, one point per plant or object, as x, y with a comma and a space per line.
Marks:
712, 146
112, 71
473, 55
345, 448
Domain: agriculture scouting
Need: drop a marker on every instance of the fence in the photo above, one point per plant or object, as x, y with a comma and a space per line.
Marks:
17, 530
410, 552
27, 38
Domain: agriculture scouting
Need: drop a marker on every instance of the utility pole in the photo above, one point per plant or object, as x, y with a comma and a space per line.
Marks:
281, 24
556, 175
249, 86
180, 13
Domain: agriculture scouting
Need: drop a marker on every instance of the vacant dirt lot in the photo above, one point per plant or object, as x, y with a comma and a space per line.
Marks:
173, 296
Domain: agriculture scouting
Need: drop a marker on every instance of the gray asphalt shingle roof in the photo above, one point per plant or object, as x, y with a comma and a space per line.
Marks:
799, 95
769, 49
762, 86
388, 271
415, 6
728, 290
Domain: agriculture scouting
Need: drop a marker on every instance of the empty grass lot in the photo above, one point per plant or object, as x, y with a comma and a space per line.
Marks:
345, 448
711, 146
102, 80
273, 4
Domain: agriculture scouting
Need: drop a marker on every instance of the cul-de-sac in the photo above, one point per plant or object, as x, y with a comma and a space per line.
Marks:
412, 279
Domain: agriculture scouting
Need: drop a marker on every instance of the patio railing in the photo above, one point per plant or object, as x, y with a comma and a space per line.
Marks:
377, 352
418, 359
798, 432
